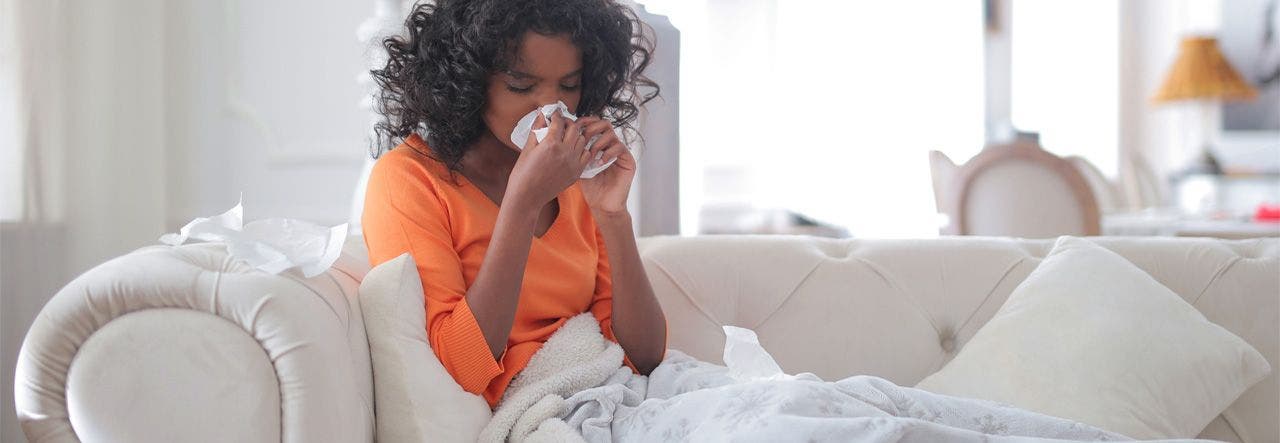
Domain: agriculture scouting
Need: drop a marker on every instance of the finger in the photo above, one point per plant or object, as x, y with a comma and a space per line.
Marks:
607, 140
572, 133
573, 145
584, 155
538, 123
556, 130
595, 156
531, 142
602, 144
598, 127
613, 152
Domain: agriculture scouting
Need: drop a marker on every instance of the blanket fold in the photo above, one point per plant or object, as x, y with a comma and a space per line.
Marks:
576, 357
576, 389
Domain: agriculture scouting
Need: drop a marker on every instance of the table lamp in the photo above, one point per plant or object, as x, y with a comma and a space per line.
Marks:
1202, 75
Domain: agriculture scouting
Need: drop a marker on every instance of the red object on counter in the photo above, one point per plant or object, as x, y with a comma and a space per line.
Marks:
1267, 213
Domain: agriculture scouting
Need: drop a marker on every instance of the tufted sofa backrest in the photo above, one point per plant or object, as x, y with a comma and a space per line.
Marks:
186, 337
901, 309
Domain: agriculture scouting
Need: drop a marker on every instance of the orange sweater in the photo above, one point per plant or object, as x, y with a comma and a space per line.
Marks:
413, 205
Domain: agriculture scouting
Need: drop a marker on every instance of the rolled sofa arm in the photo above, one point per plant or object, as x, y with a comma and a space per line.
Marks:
185, 344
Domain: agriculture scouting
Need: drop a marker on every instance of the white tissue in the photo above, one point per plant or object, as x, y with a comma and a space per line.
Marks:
520, 135
746, 359
272, 245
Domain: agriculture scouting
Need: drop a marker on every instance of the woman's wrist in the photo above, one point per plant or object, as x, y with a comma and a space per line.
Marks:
520, 204
612, 219
518, 211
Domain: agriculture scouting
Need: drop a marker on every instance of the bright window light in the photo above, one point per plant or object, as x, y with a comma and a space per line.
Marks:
826, 109
1065, 77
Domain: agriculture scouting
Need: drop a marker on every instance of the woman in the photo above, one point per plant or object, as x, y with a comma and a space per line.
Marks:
508, 241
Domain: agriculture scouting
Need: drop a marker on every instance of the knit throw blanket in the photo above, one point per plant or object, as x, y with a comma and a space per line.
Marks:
576, 357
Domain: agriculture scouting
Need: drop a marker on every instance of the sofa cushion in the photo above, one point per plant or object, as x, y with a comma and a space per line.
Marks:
417, 400
1090, 337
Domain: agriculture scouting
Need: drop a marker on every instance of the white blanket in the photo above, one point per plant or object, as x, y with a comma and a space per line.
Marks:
576, 389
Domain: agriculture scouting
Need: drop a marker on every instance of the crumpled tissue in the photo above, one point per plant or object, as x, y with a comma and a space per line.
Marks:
746, 359
524, 127
272, 245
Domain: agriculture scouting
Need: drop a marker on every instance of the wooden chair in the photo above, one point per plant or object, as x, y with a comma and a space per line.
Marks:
1021, 190
1110, 198
1145, 190
943, 171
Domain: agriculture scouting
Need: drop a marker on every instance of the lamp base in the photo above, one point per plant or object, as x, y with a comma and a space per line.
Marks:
1204, 163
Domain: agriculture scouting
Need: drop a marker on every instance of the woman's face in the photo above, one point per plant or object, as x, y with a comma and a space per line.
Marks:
547, 68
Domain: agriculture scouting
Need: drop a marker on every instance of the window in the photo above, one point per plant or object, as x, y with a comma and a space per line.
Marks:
826, 109
1065, 77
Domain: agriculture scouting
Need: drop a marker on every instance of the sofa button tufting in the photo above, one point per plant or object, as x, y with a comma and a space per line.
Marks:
949, 344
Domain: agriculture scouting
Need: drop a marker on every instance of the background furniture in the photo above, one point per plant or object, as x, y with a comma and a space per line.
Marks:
193, 344
1169, 223
1208, 205
1145, 190
1020, 190
734, 219
1225, 195
1106, 192
943, 171
1201, 75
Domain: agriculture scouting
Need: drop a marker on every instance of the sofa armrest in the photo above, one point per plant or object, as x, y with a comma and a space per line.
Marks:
183, 343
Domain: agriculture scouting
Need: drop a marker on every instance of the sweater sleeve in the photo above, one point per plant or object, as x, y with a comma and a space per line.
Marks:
403, 213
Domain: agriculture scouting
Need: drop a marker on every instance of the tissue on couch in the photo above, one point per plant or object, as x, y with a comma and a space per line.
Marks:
272, 245
745, 358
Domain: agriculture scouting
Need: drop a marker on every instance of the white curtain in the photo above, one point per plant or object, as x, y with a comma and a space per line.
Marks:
88, 123
31, 100
826, 108
10, 155
32, 243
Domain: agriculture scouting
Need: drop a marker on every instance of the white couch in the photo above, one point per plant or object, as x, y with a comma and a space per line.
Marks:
184, 344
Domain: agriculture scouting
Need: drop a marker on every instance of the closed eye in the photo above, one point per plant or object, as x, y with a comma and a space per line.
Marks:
518, 89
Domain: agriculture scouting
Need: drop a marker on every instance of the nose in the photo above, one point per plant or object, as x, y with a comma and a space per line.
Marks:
550, 97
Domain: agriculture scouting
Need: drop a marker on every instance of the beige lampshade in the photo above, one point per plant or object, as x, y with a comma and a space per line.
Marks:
1201, 72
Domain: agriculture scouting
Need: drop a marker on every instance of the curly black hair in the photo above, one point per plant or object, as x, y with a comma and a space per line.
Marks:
436, 77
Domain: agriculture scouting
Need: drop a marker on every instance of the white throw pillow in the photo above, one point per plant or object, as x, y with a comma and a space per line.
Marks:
415, 398
1090, 337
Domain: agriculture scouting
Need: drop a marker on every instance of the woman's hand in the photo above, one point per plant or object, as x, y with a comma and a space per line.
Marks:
607, 192
546, 168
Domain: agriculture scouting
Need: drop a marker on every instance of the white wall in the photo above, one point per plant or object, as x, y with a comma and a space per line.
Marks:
263, 100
